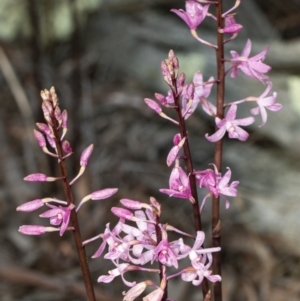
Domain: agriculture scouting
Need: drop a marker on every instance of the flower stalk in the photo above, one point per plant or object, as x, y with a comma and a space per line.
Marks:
189, 167
73, 217
216, 223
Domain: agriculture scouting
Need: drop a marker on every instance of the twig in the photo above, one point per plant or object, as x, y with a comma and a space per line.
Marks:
27, 277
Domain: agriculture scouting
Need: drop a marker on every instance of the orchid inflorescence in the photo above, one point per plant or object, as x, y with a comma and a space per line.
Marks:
140, 238
132, 247
53, 132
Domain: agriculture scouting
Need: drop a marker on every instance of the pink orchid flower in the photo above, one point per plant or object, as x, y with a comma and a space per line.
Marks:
201, 92
231, 125
194, 15
216, 184
59, 216
253, 66
179, 184
264, 101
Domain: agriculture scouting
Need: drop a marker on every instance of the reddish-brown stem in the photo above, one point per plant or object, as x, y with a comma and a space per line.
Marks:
190, 170
216, 223
74, 222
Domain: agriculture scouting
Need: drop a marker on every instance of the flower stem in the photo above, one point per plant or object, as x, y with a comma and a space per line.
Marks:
190, 170
216, 223
74, 221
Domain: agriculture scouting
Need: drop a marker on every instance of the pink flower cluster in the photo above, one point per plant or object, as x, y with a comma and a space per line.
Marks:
132, 247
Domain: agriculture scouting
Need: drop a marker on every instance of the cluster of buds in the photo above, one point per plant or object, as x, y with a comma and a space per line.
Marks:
51, 134
130, 248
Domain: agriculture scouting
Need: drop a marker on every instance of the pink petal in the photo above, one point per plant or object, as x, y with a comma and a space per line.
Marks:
231, 113
100, 250
199, 240
243, 121
188, 276
247, 49
226, 178
261, 55
218, 135
275, 107
106, 278
255, 111
264, 116
214, 278
238, 133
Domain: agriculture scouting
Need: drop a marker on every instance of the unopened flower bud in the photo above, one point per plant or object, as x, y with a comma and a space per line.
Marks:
64, 116
40, 138
126, 214
161, 98
97, 195
64, 124
171, 54
36, 229
51, 141
103, 194
174, 152
153, 105
57, 115
190, 89
45, 129
173, 59
40, 177
122, 213
155, 205
47, 111
164, 68
176, 139
45, 95
66, 146
131, 204
47, 107
54, 97
31, 206
85, 156
180, 83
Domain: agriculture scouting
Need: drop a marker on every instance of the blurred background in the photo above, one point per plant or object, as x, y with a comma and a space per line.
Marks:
103, 57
